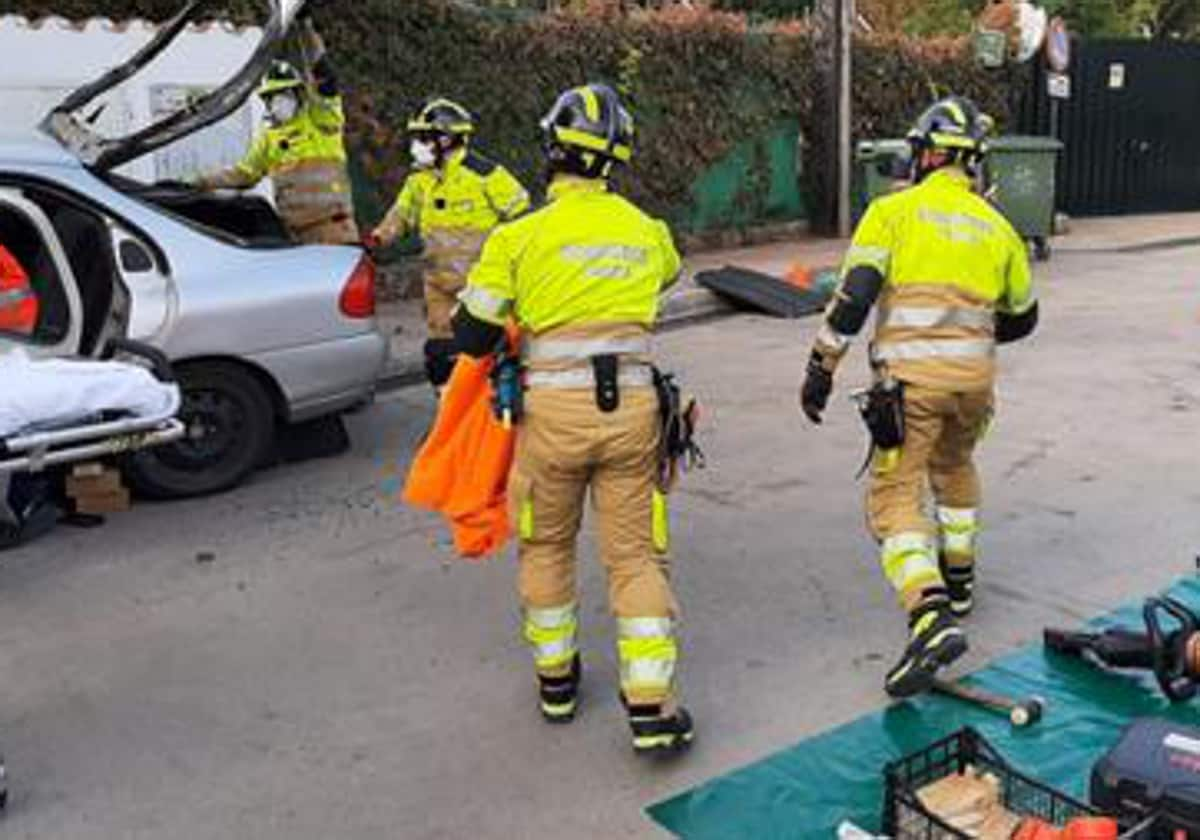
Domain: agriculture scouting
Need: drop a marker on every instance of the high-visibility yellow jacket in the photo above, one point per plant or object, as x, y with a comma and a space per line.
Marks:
950, 261
306, 161
453, 209
589, 259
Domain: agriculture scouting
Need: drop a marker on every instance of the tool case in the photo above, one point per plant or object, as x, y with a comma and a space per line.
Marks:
1152, 776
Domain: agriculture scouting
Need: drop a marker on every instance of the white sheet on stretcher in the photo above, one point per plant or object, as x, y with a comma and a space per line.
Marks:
40, 394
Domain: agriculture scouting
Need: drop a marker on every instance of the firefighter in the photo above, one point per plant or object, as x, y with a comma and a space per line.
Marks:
18, 301
302, 150
951, 280
582, 278
453, 199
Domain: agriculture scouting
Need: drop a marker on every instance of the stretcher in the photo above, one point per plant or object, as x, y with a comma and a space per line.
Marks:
117, 428
55, 413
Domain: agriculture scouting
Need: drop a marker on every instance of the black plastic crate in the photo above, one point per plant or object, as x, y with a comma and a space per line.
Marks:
905, 818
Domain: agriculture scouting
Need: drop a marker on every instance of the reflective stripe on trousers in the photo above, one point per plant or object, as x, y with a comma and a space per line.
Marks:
569, 350
648, 653
910, 562
931, 348
553, 634
959, 529
629, 376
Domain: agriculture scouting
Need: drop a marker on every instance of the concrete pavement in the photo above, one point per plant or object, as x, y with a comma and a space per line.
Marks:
332, 672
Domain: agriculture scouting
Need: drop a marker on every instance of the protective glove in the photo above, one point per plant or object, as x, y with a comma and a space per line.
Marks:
814, 393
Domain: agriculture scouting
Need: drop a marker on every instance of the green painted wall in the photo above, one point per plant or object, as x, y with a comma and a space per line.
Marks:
758, 182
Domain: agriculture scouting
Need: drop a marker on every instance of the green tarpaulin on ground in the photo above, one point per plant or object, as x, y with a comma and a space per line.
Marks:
804, 791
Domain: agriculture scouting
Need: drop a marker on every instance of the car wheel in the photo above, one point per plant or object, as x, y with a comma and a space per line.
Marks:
230, 427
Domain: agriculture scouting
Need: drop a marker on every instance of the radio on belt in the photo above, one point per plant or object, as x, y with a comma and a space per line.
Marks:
1153, 771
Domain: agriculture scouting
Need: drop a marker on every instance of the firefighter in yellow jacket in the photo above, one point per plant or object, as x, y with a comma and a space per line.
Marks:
453, 200
950, 279
582, 278
302, 151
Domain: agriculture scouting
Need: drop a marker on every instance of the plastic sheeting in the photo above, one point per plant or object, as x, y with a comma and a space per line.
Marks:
804, 792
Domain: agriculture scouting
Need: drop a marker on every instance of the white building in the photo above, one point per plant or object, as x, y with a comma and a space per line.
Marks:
42, 61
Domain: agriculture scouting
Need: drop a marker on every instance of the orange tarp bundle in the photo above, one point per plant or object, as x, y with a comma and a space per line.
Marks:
462, 468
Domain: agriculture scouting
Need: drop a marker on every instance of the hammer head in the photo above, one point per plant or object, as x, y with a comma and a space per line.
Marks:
1026, 713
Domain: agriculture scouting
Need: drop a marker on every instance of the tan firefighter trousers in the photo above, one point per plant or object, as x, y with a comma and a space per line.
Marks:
941, 430
441, 296
567, 447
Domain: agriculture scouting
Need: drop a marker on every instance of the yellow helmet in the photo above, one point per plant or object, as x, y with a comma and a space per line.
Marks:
282, 76
443, 116
590, 120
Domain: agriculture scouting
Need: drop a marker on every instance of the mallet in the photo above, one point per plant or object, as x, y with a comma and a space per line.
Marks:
1021, 713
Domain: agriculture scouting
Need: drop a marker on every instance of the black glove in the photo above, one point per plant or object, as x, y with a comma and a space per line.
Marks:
814, 393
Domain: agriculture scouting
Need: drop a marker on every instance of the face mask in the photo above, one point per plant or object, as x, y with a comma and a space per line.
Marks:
422, 154
283, 108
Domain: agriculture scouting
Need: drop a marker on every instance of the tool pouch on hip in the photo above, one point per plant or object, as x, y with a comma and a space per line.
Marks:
608, 392
508, 399
677, 418
882, 410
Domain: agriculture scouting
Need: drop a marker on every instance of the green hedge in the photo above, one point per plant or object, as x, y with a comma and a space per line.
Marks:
700, 82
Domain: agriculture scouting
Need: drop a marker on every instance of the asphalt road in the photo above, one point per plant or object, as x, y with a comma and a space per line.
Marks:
330, 671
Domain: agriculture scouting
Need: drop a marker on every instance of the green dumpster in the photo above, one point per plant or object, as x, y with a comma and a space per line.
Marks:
874, 171
1022, 171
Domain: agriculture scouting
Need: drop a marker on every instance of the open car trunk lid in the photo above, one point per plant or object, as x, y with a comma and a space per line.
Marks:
76, 132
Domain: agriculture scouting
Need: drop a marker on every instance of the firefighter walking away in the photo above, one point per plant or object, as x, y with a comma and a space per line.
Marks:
950, 279
582, 278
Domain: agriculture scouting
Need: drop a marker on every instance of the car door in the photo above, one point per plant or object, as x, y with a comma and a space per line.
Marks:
28, 235
75, 130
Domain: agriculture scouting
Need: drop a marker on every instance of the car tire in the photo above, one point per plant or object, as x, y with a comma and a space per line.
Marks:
230, 430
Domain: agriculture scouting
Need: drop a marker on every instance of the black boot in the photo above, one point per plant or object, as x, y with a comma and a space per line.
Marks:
936, 640
560, 695
960, 584
655, 733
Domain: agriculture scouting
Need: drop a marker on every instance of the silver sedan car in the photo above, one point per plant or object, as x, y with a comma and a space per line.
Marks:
263, 333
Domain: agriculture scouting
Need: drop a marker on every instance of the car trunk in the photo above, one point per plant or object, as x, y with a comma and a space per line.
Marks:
249, 218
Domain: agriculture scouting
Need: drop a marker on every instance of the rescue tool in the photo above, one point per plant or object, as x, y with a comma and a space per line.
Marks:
1172, 653
1021, 713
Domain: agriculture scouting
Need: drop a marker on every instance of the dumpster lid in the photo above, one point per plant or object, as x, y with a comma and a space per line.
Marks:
1024, 143
872, 149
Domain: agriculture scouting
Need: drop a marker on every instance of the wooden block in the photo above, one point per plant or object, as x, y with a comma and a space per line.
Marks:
115, 502
108, 481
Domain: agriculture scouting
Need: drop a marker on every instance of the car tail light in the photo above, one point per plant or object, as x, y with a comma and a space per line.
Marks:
358, 295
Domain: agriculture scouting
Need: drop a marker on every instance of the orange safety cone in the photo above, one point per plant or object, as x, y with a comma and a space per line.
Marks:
799, 276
